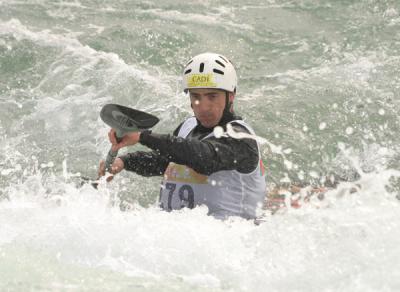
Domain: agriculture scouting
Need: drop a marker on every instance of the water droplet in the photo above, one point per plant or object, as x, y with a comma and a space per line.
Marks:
349, 130
285, 179
383, 151
287, 151
218, 132
288, 164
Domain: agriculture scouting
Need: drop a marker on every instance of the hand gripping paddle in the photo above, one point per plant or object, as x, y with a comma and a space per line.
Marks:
124, 120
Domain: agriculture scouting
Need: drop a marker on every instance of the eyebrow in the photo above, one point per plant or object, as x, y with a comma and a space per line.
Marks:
208, 93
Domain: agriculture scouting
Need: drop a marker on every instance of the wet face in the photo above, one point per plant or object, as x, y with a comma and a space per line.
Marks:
208, 105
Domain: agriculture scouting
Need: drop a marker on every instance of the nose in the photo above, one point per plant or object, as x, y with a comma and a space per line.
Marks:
202, 104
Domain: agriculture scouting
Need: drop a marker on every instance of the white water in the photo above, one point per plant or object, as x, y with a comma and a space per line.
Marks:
319, 82
78, 240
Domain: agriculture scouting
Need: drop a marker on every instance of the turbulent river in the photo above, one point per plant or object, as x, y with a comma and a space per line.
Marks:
318, 80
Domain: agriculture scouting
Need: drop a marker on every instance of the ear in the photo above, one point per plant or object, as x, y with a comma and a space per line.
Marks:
188, 94
231, 97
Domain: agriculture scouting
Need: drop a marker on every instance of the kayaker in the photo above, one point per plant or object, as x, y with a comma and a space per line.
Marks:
211, 158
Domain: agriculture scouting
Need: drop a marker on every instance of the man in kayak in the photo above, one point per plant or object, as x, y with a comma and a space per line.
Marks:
203, 162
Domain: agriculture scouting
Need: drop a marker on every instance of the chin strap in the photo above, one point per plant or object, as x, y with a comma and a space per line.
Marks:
227, 113
228, 104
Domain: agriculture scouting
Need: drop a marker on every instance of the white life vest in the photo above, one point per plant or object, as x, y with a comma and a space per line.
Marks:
225, 193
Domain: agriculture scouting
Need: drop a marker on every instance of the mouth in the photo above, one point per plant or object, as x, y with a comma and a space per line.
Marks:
205, 118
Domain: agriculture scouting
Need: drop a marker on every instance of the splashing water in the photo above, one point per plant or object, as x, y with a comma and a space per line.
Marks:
319, 83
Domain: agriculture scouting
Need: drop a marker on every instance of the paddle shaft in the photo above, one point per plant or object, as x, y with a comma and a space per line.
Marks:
111, 155
124, 120
110, 159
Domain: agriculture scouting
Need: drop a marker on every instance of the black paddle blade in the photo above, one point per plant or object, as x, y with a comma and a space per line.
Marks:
126, 120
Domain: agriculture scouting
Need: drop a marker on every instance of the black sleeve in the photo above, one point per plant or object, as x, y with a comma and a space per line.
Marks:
206, 156
147, 163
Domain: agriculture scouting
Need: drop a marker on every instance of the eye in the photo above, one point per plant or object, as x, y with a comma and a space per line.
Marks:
195, 98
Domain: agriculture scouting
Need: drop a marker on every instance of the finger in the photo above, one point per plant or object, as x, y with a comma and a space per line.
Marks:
111, 136
101, 171
117, 146
115, 169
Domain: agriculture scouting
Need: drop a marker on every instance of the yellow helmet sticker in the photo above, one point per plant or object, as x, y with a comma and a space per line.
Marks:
201, 80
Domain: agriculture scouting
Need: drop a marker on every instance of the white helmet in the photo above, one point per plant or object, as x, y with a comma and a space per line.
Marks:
209, 70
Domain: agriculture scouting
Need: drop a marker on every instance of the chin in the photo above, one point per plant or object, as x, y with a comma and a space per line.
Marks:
208, 124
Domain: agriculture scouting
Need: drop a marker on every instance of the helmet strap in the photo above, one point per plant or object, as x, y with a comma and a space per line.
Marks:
228, 103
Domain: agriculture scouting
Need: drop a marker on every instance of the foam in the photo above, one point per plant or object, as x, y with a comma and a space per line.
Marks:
73, 46
82, 229
56, 236
209, 19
